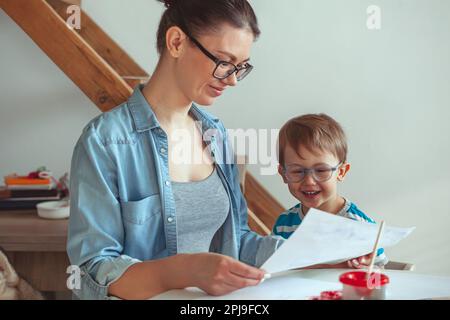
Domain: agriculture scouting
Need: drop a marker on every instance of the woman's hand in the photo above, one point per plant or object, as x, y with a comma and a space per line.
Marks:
213, 273
218, 274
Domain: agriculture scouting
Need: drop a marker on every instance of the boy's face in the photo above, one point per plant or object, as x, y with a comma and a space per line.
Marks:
311, 193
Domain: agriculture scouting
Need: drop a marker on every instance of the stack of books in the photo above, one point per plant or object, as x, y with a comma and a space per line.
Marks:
26, 193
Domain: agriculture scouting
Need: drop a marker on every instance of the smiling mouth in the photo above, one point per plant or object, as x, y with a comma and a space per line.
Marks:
218, 89
310, 193
216, 92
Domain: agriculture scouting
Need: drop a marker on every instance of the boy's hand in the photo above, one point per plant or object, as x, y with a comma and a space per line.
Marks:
360, 262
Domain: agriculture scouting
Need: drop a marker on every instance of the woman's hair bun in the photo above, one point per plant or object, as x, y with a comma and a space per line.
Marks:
168, 3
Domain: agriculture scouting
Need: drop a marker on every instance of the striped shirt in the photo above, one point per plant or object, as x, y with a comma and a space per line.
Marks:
291, 219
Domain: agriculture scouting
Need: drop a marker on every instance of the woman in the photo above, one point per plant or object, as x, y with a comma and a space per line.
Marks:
155, 199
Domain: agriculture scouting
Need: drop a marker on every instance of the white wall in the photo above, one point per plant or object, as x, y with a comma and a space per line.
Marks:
388, 88
41, 110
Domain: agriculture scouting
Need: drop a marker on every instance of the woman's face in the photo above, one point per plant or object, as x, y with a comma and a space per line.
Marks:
194, 71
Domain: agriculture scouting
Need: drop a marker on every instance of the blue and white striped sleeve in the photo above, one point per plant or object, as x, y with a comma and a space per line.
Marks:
287, 222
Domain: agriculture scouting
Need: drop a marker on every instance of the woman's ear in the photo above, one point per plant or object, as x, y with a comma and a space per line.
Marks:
281, 173
175, 40
342, 171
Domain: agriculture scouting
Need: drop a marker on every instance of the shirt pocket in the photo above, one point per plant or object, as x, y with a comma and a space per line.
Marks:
139, 212
143, 224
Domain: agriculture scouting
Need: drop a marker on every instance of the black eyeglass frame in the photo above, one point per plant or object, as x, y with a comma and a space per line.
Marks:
218, 62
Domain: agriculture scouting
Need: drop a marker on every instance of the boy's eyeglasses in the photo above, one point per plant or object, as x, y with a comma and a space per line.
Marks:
295, 173
223, 69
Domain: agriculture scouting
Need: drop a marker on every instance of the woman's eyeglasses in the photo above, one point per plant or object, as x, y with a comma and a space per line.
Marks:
224, 69
321, 173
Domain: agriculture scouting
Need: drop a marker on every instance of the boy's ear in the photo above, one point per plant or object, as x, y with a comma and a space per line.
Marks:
280, 172
342, 171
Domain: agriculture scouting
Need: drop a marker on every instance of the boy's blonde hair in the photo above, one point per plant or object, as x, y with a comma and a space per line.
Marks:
313, 131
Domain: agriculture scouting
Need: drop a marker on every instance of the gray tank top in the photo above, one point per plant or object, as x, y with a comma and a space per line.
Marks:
201, 209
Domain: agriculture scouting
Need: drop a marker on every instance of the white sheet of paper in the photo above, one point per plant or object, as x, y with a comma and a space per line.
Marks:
324, 237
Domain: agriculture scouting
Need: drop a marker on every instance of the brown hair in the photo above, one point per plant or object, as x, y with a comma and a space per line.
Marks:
200, 16
313, 131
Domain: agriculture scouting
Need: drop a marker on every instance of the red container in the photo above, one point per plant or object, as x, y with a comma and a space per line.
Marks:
358, 286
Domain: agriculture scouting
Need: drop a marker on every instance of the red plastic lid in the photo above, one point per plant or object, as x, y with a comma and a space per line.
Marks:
331, 295
359, 279
328, 295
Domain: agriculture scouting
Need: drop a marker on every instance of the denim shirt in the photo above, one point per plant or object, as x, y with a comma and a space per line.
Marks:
122, 208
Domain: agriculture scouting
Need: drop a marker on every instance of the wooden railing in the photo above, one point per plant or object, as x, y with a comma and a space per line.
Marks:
263, 208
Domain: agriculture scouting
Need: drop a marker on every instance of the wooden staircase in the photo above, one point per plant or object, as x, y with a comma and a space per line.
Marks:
90, 58
262, 206
107, 75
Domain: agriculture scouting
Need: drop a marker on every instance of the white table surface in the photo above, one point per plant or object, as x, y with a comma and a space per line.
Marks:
302, 284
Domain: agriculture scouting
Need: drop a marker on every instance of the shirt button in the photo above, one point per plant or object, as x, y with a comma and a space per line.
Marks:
170, 219
163, 151
167, 183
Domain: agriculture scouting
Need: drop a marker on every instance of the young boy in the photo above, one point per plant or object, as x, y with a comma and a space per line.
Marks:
312, 160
